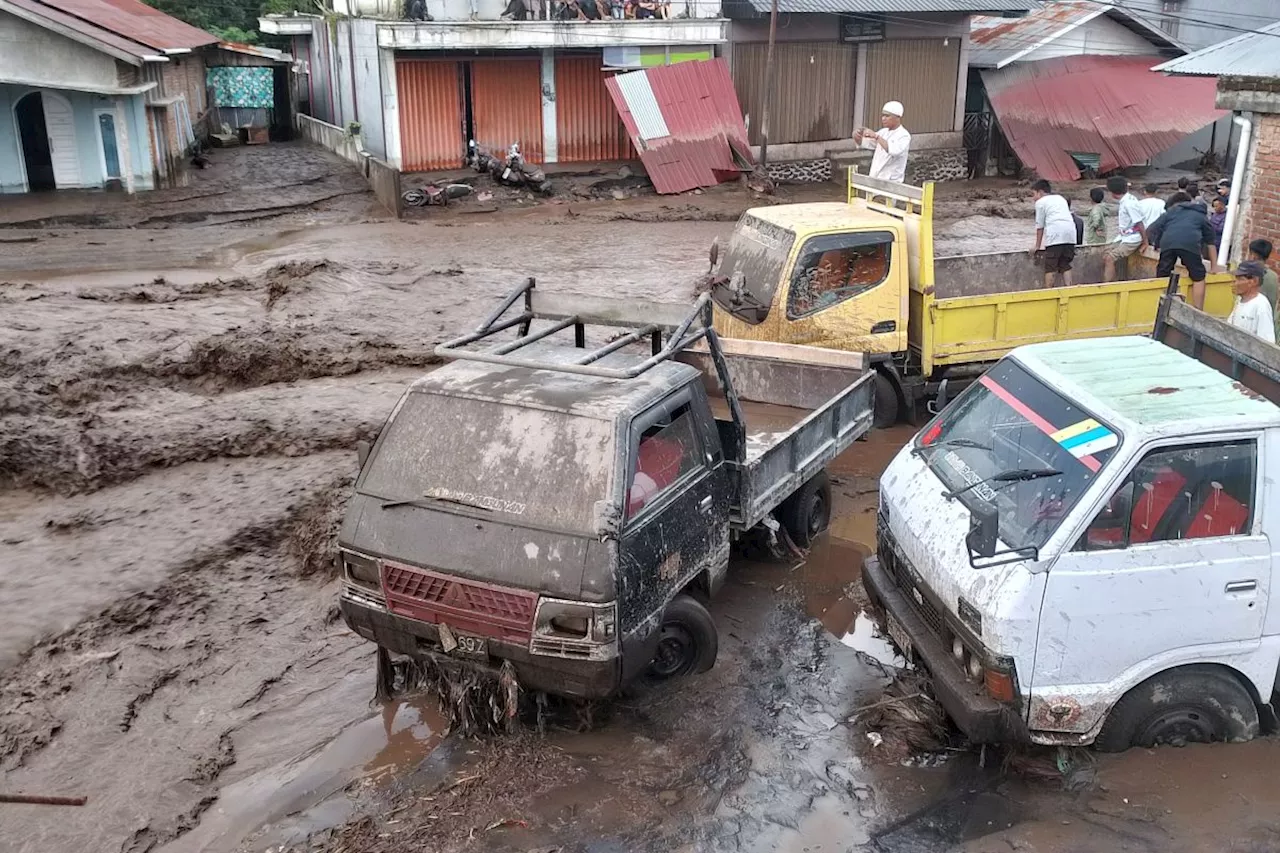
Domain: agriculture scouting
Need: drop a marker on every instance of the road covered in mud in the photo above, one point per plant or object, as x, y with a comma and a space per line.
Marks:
183, 379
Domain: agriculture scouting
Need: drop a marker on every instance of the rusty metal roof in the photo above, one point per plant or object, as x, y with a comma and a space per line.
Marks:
1111, 106
995, 42
1255, 54
685, 122
109, 21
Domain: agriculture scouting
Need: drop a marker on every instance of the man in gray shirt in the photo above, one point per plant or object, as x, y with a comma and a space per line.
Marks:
1055, 232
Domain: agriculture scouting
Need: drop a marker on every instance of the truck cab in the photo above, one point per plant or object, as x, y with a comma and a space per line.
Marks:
1080, 548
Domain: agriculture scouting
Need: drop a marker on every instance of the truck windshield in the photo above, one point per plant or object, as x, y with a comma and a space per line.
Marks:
517, 465
1009, 420
756, 254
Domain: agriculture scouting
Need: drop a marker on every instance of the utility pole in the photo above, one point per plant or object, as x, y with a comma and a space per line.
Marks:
768, 85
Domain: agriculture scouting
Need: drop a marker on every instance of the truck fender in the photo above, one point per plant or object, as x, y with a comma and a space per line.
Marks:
890, 397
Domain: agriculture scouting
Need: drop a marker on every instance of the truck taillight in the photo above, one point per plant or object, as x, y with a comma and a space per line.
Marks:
999, 684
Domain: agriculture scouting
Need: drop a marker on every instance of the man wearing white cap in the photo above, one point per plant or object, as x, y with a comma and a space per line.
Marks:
891, 144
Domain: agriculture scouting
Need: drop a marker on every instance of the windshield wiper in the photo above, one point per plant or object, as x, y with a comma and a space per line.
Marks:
951, 442
426, 501
1005, 478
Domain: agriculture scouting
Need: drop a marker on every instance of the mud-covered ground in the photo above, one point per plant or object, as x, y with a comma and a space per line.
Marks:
183, 377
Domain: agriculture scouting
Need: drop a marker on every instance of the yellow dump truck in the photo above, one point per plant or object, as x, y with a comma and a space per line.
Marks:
862, 276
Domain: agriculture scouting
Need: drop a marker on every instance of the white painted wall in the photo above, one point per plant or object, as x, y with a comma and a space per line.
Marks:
486, 10
368, 84
1100, 37
32, 55
507, 35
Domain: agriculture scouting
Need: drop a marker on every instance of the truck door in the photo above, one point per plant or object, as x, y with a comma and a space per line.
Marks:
675, 504
1173, 569
848, 291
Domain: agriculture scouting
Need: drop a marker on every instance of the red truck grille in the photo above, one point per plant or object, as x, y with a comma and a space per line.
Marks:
470, 606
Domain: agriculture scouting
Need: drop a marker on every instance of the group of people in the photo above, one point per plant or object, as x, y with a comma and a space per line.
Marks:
587, 10
1183, 229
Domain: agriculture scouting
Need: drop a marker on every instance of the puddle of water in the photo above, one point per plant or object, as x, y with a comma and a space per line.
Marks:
865, 637
397, 739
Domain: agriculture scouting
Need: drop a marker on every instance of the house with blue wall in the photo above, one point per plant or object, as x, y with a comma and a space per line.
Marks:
96, 94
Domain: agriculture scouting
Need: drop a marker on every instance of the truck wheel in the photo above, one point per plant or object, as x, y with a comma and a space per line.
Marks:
687, 641
886, 412
1192, 704
807, 512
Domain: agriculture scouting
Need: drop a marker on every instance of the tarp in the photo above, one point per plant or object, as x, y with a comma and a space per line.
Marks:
685, 122
242, 86
1112, 108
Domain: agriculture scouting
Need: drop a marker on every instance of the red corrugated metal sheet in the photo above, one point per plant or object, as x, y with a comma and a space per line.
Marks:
707, 141
587, 125
135, 20
1112, 106
506, 104
431, 134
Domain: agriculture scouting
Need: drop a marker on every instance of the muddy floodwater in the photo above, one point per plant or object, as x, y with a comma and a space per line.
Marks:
183, 379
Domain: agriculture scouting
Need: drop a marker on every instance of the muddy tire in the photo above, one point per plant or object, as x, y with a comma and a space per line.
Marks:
807, 512
887, 410
688, 640
1192, 704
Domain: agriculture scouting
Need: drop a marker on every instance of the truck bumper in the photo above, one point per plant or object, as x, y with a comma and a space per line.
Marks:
981, 718
561, 676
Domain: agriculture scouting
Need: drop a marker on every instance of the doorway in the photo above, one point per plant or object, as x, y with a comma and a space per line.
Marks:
33, 135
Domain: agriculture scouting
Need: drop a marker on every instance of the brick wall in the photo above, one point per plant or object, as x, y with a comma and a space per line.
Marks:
1262, 204
185, 75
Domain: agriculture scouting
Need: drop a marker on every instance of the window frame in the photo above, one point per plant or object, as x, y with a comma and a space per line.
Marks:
669, 410
1080, 543
888, 240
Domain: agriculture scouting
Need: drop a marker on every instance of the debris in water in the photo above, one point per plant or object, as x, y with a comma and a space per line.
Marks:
474, 702
908, 720
36, 800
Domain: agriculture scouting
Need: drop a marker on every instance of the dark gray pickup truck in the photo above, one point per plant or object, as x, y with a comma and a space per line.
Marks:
570, 509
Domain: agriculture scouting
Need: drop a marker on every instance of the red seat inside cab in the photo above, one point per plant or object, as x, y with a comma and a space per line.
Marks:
658, 467
1155, 515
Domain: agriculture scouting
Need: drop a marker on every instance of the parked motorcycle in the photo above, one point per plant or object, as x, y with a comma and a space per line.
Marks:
511, 169
433, 195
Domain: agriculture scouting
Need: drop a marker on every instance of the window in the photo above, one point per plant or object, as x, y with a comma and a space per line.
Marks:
1170, 19
1180, 493
668, 451
836, 267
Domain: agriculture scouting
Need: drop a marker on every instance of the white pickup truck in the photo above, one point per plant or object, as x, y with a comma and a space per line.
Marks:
1080, 548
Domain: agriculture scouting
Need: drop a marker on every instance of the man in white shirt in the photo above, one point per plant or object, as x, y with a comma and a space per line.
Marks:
891, 144
1056, 232
1131, 237
1252, 312
1152, 206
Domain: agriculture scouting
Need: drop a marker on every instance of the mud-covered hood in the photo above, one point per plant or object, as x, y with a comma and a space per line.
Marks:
491, 550
930, 531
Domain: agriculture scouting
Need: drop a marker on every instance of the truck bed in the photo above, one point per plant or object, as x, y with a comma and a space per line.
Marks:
982, 306
803, 407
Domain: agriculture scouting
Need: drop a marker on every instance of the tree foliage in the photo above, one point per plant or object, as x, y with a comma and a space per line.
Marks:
230, 20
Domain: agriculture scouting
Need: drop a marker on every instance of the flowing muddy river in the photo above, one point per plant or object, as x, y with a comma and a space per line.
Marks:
181, 388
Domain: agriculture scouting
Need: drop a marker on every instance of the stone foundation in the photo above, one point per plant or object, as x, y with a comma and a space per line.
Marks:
800, 171
936, 164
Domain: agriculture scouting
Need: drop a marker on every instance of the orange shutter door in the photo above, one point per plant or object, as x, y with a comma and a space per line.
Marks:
587, 124
431, 134
506, 104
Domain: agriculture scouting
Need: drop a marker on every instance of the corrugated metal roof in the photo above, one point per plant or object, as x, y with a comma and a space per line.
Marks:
643, 106
835, 7
1249, 55
1113, 106
107, 39
255, 50
707, 138
130, 19
994, 41
1186, 388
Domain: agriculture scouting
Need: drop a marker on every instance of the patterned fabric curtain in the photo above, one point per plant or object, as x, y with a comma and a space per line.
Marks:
243, 87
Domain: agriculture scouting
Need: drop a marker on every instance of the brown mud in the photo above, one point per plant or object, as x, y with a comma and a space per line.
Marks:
183, 378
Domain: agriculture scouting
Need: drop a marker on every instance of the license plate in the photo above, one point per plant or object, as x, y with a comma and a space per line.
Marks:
899, 636
471, 647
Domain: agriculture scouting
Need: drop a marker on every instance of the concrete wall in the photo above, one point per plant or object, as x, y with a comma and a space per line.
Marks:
131, 130
1186, 154
488, 10
1235, 15
368, 84
384, 179
36, 56
1100, 37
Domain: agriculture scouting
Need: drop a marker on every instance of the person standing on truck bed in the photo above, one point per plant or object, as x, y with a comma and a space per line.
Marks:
1183, 233
1252, 313
891, 142
1131, 237
1055, 231
1152, 206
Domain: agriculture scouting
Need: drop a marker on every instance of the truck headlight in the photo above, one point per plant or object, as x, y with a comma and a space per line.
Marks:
360, 569
575, 620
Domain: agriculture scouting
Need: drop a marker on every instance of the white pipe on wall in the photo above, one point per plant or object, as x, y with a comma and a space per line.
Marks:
1237, 188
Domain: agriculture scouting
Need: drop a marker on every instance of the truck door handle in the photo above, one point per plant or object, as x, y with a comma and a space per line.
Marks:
705, 503
1242, 586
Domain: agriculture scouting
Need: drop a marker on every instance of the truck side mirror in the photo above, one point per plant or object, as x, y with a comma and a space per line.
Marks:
939, 403
362, 452
984, 530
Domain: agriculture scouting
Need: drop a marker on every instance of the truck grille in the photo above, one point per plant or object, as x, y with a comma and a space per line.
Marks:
902, 576
470, 606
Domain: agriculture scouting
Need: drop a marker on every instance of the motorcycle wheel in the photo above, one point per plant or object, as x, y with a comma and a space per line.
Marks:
414, 198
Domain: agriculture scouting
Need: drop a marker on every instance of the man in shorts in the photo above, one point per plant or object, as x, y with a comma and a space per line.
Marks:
1183, 233
1056, 232
1131, 235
